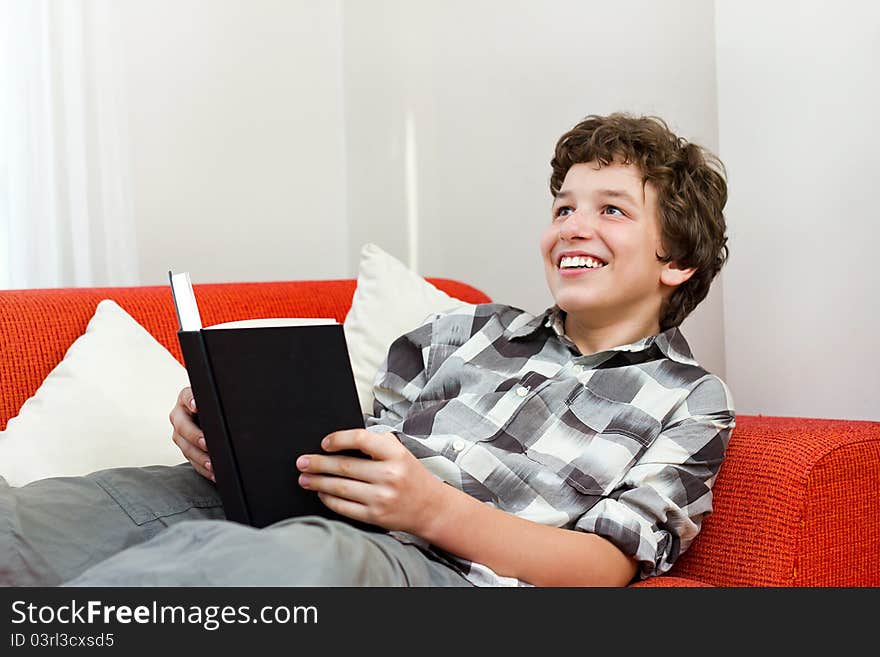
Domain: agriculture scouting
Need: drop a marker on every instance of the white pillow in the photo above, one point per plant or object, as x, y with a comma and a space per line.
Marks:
390, 299
105, 405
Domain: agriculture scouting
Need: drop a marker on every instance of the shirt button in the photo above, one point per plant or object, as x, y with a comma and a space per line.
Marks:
522, 391
458, 445
578, 369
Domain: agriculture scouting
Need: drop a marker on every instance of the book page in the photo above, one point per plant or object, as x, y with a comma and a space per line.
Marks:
185, 302
275, 322
190, 319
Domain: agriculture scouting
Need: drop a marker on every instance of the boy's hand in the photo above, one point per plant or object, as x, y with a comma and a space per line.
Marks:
188, 436
393, 490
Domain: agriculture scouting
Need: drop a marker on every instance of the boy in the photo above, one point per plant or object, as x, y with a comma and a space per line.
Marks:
577, 447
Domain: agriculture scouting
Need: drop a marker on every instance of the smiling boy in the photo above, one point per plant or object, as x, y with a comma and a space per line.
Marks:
575, 447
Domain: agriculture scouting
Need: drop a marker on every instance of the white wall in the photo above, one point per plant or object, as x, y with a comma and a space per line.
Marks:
798, 107
236, 133
452, 111
270, 138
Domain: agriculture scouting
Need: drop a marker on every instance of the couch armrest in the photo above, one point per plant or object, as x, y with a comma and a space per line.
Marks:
668, 581
797, 503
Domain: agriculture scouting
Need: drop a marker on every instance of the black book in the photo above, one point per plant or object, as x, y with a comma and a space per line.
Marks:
267, 391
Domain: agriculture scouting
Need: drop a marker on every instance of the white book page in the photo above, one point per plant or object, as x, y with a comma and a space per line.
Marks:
270, 322
185, 302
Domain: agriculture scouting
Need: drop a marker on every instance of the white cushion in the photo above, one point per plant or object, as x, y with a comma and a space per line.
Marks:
390, 299
105, 405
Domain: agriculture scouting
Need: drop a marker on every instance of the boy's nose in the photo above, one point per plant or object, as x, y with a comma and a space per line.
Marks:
577, 225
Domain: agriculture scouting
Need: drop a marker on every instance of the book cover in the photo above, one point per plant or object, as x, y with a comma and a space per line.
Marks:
267, 391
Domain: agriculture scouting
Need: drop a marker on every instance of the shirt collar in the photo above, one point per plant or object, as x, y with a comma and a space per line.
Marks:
670, 342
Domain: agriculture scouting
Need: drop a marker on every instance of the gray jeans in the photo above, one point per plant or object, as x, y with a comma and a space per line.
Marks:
164, 526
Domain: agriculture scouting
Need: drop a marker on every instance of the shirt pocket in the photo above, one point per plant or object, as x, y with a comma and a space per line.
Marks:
473, 401
594, 441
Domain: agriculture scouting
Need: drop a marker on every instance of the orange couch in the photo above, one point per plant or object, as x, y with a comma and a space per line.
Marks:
797, 502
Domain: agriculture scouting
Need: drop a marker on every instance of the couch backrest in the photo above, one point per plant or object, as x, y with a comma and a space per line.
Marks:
38, 326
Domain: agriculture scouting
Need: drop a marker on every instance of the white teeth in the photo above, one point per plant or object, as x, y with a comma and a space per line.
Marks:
579, 261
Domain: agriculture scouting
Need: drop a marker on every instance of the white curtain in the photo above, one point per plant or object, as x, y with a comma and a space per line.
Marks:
66, 217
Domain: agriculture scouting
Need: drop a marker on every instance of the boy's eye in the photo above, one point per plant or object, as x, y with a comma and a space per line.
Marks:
564, 211
613, 210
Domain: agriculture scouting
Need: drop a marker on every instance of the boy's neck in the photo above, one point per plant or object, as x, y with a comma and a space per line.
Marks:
592, 338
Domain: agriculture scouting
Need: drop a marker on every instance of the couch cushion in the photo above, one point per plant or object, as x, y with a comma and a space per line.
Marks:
390, 300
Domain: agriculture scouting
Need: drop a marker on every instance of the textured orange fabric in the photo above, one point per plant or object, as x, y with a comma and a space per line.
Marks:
38, 326
797, 502
668, 581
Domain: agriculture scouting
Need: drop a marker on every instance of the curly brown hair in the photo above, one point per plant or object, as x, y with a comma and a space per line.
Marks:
691, 189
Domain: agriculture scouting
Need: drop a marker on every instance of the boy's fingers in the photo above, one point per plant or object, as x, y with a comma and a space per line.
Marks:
185, 427
199, 459
348, 489
379, 446
351, 467
186, 399
354, 510
189, 450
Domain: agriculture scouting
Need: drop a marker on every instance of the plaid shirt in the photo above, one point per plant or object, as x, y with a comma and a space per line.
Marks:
624, 443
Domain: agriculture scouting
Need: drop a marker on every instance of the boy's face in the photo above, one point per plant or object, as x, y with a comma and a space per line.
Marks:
608, 213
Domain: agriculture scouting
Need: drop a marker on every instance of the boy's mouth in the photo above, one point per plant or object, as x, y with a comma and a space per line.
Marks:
576, 263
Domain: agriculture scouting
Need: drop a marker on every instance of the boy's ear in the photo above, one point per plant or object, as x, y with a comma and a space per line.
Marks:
673, 276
